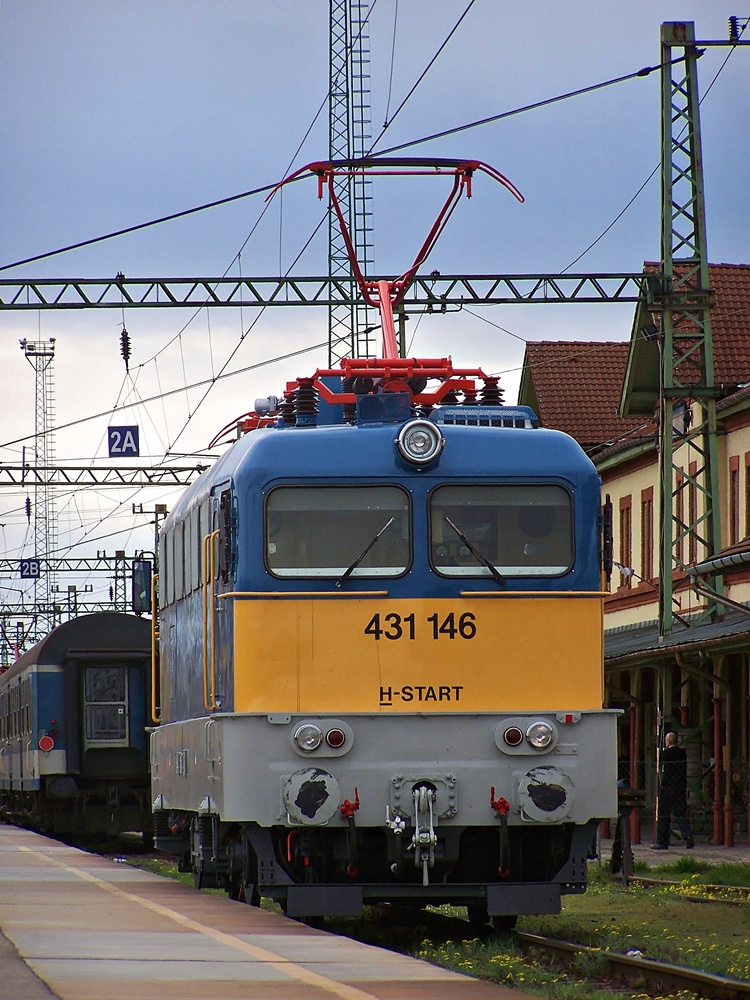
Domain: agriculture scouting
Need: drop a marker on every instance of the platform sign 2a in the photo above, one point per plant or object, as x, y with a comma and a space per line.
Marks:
123, 442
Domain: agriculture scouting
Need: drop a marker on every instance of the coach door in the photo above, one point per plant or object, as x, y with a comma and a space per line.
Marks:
105, 706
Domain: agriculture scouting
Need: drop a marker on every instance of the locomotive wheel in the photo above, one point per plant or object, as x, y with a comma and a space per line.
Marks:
506, 922
243, 892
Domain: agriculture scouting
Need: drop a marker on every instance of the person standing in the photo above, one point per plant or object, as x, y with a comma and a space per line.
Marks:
672, 795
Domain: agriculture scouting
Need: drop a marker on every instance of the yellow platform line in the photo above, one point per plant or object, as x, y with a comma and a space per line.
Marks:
283, 965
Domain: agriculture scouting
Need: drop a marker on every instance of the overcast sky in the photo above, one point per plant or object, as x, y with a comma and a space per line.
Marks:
113, 114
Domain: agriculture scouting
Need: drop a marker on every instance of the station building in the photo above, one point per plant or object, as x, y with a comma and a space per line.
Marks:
695, 680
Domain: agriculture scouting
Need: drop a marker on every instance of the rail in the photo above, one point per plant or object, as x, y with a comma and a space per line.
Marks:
661, 977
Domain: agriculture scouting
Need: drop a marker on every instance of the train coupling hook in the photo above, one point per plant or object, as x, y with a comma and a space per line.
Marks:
425, 838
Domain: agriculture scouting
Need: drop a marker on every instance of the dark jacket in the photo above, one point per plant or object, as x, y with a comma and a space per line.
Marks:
674, 772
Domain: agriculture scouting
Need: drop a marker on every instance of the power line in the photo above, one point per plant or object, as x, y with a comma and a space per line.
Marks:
421, 77
173, 392
526, 107
139, 226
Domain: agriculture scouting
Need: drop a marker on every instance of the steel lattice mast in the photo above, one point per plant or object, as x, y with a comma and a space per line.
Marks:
687, 363
41, 355
349, 137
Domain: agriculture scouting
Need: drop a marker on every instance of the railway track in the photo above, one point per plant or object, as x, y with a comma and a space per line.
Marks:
743, 892
655, 978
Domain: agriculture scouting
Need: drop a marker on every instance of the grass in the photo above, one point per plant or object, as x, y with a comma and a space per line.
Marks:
658, 923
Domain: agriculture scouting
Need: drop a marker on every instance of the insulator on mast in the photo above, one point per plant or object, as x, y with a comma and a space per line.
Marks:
125, 347
734, 35
28, 509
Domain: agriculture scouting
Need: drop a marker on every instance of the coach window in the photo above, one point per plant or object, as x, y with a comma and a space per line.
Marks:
106, 706
522, 530
324, 531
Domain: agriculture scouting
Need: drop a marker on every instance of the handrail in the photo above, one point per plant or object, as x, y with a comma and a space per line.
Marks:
209, 566
535, 593
302, 593
155, 709
214, 703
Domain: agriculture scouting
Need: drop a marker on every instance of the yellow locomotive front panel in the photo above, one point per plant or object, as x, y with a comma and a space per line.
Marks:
515, 652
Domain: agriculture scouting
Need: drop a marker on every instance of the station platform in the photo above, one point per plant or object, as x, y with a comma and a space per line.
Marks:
713, 854
74, 926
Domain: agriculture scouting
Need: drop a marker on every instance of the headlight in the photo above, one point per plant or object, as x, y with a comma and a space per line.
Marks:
420, 442
308, 737
540, 735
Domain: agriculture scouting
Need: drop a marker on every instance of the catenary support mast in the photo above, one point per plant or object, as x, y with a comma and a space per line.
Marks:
349, 136
41, 355
687, 364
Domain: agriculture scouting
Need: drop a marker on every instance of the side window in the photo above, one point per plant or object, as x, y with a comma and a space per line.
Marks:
27, 705
163, 571
192, 551
179, 560
169, 562
204, 528
226, 536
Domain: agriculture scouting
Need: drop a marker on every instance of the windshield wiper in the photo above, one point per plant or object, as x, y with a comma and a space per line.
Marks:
361, 556
477, 554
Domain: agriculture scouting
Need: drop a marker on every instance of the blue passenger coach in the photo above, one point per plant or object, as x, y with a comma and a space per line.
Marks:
73, 717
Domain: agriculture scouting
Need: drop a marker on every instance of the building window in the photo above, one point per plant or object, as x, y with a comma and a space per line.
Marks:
626, 541
679, 516
747, 493
647, 533
692, 513
734, 499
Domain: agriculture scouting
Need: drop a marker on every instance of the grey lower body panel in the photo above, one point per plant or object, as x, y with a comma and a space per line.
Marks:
324, 901
506, 899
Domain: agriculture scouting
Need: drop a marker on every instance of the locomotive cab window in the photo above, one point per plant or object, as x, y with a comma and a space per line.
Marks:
324, 531
524, 530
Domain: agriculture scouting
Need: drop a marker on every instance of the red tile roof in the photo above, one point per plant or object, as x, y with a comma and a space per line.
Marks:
575, 386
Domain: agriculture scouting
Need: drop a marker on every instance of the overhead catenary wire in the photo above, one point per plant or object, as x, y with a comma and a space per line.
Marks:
422, 75
171, 392
645, 71
653, 172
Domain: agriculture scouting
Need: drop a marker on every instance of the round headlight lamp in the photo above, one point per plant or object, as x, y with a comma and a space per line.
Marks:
539, 735
420, 442
308, 737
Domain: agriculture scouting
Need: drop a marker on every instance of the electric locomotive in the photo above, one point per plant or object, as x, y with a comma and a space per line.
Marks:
73, 741
381, 653
380, 640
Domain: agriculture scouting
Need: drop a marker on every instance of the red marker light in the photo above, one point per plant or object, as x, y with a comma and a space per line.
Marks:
335, 738
46, 743
513, 736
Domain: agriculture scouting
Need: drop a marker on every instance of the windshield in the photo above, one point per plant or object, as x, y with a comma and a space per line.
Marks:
521, 530
321, 531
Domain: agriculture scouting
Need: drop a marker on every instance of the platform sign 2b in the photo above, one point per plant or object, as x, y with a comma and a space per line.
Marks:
30, 569
123, 442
